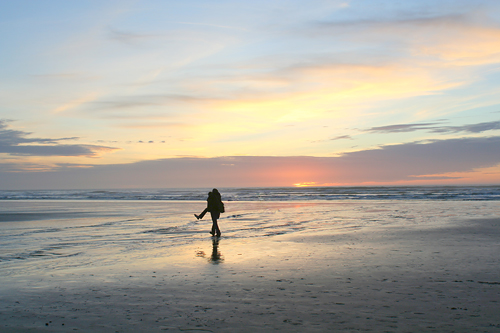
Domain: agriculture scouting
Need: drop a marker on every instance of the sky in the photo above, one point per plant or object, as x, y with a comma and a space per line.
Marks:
163, 93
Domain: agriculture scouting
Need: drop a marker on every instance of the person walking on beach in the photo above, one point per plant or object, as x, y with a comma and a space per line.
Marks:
215, 206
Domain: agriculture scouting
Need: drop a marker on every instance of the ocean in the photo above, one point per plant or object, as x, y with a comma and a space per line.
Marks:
461, 193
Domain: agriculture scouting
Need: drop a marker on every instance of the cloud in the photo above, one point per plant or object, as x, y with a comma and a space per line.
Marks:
408, 163
155, 124
59, 76
288, 89
471, 128
215, 25
133, 103
459, 39
410, 20
130, 37
55, 150
10, 167
342, 137
409, 160
14, 142
399, 128
279, 92
75, 103
15, 137
315, 90
474, 128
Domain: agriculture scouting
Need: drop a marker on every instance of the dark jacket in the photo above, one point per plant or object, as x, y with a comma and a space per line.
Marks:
214, 203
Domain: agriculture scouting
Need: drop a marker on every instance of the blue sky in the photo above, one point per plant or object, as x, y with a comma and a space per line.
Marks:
88, 86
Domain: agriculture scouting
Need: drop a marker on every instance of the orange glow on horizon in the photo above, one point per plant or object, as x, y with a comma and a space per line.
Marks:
306, 184
315, 184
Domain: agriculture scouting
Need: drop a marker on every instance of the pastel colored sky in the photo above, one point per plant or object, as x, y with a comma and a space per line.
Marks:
159, 93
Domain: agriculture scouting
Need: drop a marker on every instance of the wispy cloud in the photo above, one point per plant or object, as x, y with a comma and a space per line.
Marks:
215, 26
150, 101
153, 124
130, 37
410, 20
399, 128
458, 39
433, 128
473, 128
341, 137
75, 103
304, 91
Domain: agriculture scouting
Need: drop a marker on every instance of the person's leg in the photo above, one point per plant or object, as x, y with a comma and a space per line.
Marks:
215, 226
212, 231
199, 217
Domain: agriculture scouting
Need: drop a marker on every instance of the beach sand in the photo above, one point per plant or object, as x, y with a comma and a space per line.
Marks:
365, 266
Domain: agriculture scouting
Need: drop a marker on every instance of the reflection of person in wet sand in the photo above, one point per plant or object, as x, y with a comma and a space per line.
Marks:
215, 206
216, 256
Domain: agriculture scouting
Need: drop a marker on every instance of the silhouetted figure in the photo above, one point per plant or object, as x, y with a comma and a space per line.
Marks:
215, 207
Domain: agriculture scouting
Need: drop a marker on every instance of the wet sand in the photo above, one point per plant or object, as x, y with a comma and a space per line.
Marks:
441, 274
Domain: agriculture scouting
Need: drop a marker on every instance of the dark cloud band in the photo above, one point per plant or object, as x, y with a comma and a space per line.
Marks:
395, 163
